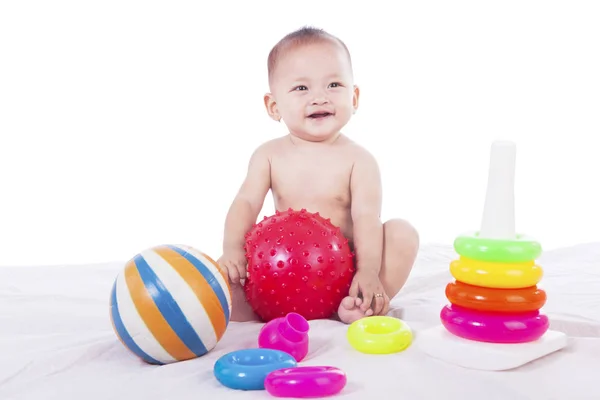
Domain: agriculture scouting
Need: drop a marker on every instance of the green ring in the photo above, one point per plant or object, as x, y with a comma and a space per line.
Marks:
521, 249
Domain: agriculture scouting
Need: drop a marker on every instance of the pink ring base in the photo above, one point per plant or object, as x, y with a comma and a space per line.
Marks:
305, 381
494, 327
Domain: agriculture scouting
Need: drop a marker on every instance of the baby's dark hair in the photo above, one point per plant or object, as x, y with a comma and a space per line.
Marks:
302, 36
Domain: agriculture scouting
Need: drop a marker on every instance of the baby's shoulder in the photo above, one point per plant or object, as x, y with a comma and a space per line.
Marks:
267, 149
357, 152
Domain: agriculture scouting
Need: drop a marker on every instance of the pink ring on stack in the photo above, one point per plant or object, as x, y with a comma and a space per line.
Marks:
491, 327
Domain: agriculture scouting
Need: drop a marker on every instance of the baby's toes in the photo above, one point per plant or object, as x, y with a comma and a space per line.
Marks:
348, 303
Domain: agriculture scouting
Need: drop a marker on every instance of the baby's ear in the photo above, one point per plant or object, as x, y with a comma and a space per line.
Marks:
271, 107
355, 95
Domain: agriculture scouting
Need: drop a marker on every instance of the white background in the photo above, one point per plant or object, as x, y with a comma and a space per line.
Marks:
126, 124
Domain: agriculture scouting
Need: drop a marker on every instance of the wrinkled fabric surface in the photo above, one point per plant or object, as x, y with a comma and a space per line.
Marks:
57, 342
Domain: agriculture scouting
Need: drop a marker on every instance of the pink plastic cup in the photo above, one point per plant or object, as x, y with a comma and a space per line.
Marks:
288, 334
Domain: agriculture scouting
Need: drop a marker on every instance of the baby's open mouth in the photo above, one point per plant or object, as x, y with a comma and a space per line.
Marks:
320, 115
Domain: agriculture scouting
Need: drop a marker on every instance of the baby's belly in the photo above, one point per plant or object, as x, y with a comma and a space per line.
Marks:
338, 213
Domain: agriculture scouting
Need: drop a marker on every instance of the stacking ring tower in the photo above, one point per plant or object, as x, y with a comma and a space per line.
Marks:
494, 319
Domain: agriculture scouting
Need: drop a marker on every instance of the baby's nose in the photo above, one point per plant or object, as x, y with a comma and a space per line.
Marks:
320, 100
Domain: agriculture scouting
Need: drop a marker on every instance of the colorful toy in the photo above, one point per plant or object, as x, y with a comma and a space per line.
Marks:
305, 382
497, 259
283, 342
494, 301
289, 334
379, 334
297, 262
170, 303
247, 369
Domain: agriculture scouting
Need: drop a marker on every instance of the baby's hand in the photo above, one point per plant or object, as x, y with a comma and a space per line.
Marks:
368, 286
233, 263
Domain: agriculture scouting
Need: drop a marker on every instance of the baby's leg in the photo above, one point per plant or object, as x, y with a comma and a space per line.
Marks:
240, 309
400, 247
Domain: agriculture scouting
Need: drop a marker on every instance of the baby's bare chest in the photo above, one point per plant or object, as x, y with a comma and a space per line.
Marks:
317, 177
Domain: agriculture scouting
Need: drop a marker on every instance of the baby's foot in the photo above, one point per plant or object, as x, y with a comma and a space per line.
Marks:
349, 310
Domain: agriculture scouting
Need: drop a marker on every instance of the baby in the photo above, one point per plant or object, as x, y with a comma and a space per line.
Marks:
318, 168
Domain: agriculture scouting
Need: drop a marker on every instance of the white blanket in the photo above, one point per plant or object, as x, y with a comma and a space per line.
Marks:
56, 341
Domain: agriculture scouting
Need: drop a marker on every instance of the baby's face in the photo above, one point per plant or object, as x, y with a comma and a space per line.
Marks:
313, 91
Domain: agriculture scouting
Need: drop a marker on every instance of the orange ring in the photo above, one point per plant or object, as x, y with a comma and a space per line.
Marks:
492, 299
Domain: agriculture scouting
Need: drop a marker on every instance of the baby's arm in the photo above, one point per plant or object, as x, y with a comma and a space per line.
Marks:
243, 212
365, 186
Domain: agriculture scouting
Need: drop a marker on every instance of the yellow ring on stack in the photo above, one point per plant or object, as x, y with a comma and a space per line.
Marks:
491, 274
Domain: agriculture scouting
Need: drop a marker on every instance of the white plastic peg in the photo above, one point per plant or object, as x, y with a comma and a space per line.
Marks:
498, 220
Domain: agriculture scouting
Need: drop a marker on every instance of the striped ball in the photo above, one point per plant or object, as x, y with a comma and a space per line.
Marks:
170, 303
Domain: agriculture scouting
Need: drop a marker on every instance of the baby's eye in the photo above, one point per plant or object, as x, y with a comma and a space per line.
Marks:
301, 87
335, 84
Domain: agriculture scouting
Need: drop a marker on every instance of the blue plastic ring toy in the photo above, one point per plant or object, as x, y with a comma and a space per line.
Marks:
247, 369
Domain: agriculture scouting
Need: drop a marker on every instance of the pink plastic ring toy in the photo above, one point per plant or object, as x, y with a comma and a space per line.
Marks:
489, 327
305, 382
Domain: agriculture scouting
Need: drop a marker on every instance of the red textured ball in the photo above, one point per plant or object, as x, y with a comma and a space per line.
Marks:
297, 262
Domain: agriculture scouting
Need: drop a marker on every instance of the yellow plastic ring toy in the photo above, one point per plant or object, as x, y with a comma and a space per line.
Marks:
495, 274
379, 334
